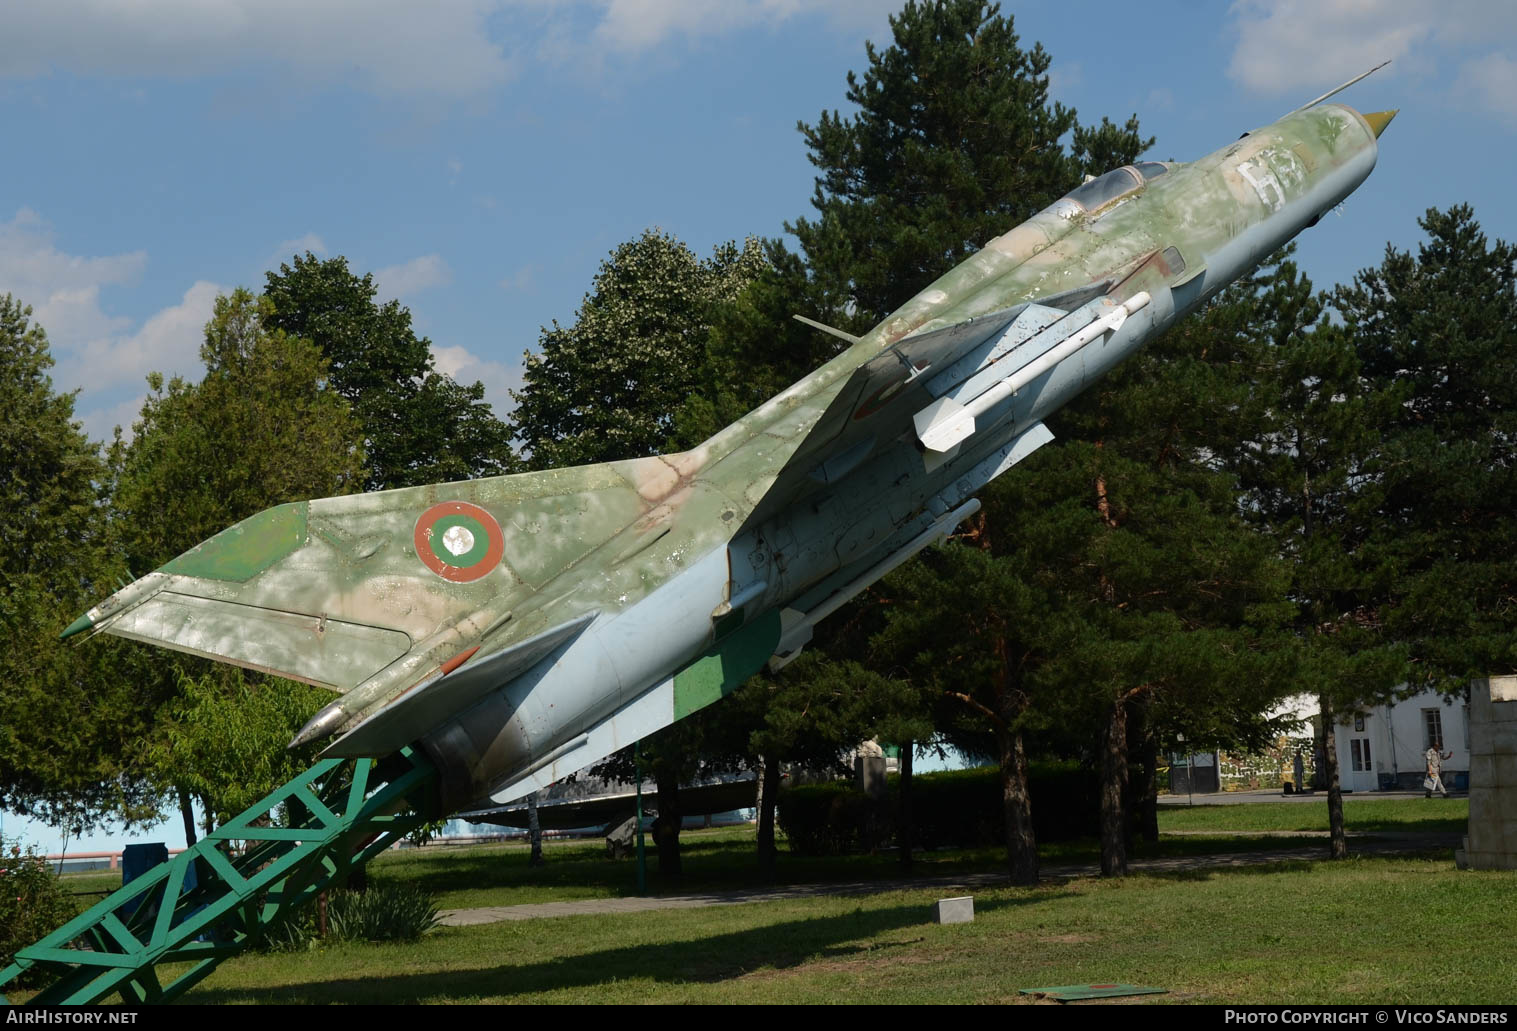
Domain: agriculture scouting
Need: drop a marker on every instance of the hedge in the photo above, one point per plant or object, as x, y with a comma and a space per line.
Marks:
954, 808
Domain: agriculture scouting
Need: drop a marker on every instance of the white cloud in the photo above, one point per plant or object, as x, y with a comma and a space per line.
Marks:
466, 367
1065, 76
1159, 99
168, 342
413, 276
63, 289
631, 26
385, 46
450, 48
100, 423
287, 249
1285, 46
523, 279
302, 244
1492, 81
1291, 46
96, 352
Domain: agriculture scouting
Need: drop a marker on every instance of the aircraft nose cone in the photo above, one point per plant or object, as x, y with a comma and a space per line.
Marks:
1379, 120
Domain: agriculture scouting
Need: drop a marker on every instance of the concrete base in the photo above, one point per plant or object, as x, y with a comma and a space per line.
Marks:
954, 911
1492, 840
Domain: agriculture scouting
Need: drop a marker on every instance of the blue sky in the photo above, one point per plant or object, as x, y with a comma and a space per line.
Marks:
481, 157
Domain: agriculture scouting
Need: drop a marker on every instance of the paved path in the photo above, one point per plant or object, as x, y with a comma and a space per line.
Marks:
1275, 795
1365, 843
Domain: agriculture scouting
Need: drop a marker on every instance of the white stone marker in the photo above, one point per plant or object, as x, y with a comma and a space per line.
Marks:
954, 911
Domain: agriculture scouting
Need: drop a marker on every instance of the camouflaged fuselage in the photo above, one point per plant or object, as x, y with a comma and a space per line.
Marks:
583, 608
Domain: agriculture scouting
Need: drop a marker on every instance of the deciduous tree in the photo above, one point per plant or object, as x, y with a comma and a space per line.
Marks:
610, 385
71, 730
419, 426
262, 428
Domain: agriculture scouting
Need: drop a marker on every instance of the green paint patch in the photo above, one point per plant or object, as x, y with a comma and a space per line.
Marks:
242, 551
1073, 992
730, 662
476, 533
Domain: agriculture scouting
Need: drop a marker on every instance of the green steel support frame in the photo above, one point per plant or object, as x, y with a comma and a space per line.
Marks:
339, 814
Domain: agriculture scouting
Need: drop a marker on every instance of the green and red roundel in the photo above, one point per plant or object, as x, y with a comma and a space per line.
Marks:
459, 541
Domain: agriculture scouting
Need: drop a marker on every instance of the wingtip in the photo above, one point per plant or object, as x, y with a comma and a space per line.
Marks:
78, 626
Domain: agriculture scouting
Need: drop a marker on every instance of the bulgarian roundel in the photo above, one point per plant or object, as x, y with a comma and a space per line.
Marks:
458, 541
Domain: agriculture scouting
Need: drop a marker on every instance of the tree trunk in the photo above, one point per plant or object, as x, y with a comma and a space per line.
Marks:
1149, 806
1338, 840
903, 817
187, 813
1021, 843
534, 832
667, 827
769, 795
1113, 786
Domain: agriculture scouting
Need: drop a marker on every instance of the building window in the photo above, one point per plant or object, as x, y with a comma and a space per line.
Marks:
1432, 729
1359, 747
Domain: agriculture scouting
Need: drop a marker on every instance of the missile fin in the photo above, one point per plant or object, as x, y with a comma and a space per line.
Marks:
943, 425
877, 402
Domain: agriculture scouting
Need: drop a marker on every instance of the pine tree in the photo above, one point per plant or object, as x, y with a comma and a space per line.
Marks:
1438, 330
955, 141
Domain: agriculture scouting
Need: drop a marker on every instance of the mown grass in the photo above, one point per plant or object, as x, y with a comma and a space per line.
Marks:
1365, 930
462, 877
1295, 932
1415, 815
725, 859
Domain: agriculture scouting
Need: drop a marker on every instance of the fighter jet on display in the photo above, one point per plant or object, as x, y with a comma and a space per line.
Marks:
518, 628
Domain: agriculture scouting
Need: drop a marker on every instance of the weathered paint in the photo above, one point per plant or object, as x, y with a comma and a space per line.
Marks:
244, 550
791, 508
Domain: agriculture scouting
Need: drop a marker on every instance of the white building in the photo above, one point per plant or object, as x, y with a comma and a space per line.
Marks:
1381, 748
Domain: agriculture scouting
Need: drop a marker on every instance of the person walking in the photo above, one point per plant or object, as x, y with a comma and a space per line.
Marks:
1434, 780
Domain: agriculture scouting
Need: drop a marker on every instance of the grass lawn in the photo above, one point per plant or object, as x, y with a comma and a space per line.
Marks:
1394, 814
723, 859
461, 877
1283, 932
1356, 931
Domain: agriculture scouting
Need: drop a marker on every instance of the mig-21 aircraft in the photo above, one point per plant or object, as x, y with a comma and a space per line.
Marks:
516, 629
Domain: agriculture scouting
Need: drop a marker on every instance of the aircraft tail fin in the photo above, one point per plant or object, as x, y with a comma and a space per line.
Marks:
335, 590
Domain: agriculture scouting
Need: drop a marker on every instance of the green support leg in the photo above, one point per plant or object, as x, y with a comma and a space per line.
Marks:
251, 876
